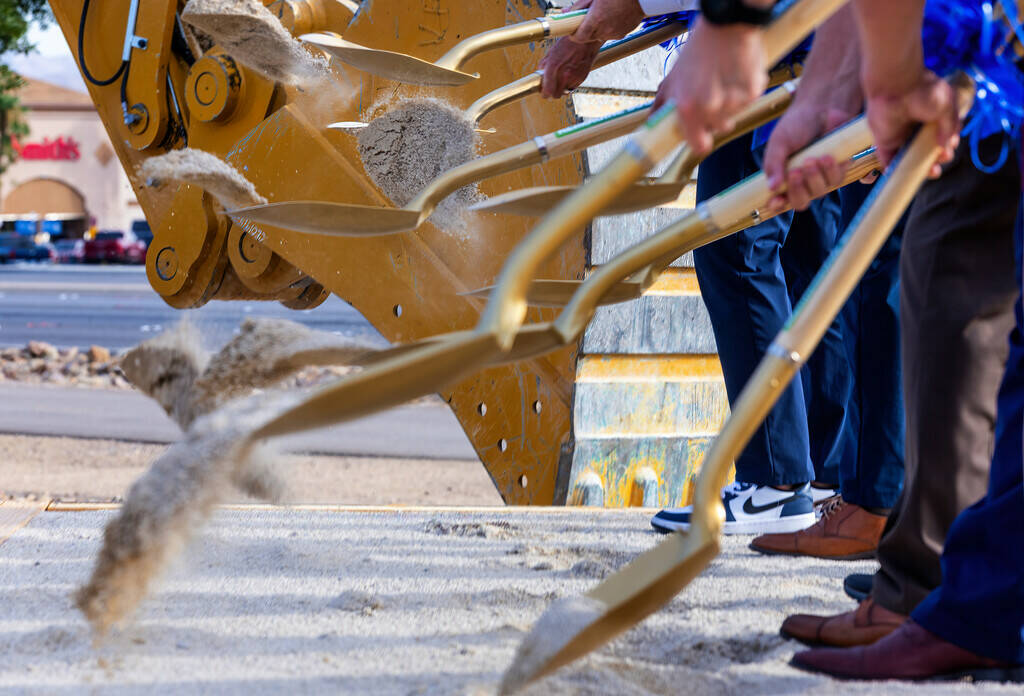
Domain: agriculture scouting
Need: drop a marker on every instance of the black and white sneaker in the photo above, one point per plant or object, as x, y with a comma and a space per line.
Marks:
750, 509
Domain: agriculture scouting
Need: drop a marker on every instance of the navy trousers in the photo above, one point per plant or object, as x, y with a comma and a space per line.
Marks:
980, 603
749, 282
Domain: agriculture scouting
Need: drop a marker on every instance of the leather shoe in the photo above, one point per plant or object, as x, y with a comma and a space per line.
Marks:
858, 586
910, 652
844, 532
862, 626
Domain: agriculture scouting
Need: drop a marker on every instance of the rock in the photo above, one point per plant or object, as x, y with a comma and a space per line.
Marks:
10, 353
41, 349
37, 365
98, 354
69, 354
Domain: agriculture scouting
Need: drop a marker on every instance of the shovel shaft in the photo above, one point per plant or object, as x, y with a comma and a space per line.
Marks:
767, 108
511, 35
540, 149
609, 53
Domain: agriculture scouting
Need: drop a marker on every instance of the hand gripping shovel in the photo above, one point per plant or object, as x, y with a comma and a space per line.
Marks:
446, 71
609, 53
350, 219
525, 86
538, 200
654, 577
434, 364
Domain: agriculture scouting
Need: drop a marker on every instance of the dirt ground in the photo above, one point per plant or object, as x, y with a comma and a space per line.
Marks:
403, 602
83, 470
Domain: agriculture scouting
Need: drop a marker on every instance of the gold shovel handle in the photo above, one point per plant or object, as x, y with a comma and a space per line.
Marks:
609, 53
540, 149
511, 35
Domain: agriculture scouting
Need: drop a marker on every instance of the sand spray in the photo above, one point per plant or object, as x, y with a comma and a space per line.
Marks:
217, 401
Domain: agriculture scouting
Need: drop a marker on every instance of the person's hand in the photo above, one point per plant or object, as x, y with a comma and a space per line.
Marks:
568, 62
896, 106
720, 70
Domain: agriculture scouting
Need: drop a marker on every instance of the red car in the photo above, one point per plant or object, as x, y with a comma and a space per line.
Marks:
116, 247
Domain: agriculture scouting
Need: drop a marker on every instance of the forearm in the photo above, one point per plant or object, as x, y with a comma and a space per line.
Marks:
835, 55
890, 40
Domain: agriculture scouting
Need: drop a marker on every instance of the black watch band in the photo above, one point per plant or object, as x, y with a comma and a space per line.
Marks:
733, 12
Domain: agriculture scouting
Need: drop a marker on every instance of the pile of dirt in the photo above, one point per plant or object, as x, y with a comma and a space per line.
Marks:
407, 147
202, 169
251, 34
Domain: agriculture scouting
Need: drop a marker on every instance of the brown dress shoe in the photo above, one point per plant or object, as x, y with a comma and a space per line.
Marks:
863, 626
910, 652
845, 532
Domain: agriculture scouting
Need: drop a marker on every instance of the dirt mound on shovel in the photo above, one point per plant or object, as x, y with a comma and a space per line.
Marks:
251, 34
207, 171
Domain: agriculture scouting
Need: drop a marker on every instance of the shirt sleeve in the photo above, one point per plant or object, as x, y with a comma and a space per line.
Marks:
660, 7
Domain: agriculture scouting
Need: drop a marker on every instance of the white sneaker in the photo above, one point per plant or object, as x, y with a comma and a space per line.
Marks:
820, 495
750, 509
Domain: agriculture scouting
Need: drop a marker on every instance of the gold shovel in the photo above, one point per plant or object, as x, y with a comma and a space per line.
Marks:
626, 276
654, 577
429, 367
631, 273
525, 86
351, 219
446, 71
538, 200
609, 53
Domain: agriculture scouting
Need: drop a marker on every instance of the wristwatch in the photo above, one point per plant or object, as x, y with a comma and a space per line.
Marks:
733, 12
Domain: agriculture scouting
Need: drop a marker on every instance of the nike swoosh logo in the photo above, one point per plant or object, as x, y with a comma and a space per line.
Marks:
751, 509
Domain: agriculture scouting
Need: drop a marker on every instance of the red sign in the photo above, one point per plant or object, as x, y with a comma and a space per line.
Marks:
60, 149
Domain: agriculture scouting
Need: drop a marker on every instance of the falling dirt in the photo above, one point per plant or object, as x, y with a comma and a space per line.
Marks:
407, 147
166, 506
265, 352
212, 399
202, 169
251, 34
556, 627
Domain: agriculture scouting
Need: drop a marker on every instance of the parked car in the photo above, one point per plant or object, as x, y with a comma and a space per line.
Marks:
115, 246
16, 247
70, 250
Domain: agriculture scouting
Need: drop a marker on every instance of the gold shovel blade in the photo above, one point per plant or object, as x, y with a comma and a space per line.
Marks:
539, 200
331, 219
621, 601
558, 293
388, 64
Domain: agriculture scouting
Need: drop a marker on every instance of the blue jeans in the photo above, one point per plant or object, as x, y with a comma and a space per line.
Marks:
749, 282
980, 603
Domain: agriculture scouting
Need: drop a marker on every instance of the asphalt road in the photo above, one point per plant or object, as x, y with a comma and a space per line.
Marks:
114, 306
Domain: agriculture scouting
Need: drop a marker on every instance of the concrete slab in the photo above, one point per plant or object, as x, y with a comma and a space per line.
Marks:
271, 601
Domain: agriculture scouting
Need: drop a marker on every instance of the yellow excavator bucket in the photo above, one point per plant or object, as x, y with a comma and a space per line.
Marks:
182, 89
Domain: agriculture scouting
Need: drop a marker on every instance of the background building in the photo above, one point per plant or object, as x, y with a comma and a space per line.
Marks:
67, 176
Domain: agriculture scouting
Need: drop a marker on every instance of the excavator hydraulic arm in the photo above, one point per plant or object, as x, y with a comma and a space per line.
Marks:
172, 90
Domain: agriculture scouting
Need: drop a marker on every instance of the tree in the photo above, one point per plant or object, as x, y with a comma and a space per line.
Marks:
15, 17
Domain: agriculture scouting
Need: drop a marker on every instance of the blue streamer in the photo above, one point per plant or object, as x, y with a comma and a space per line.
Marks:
966, 35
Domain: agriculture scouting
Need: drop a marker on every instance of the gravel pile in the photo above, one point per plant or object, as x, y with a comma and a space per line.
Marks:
99, 368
